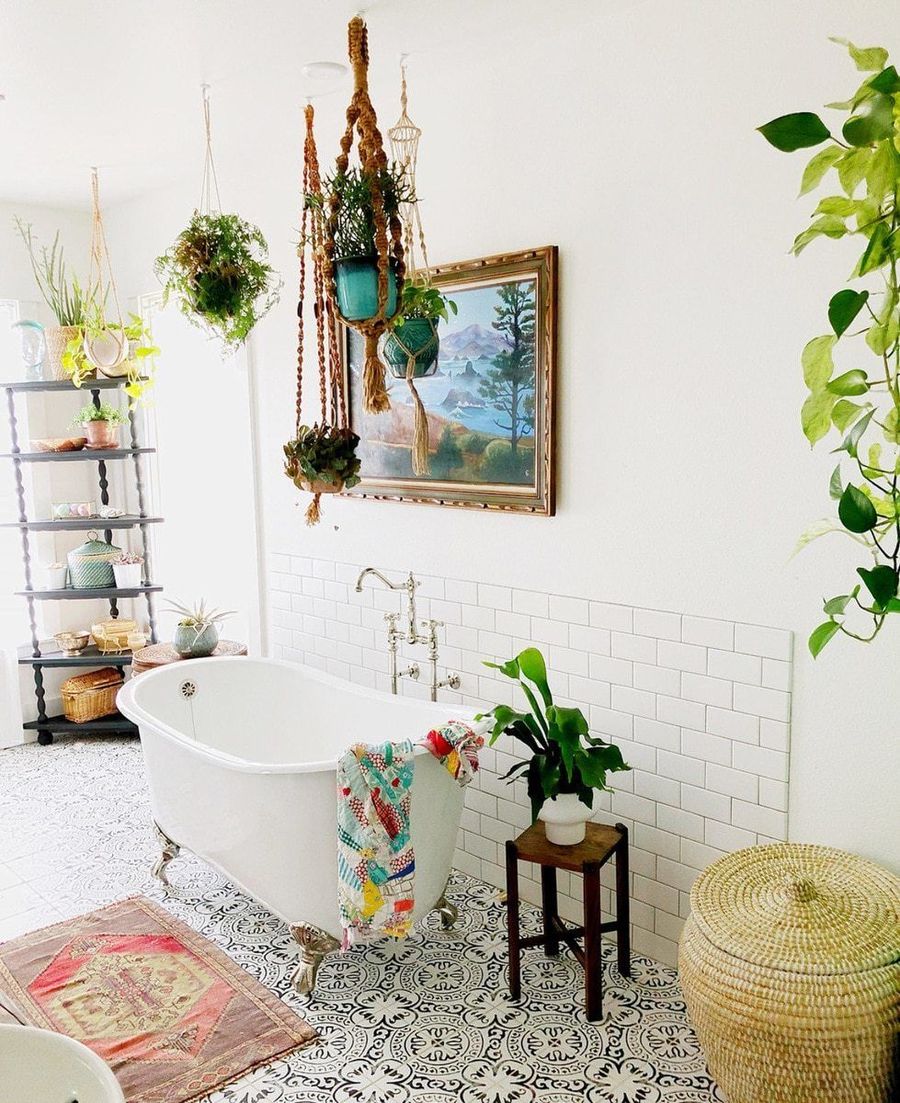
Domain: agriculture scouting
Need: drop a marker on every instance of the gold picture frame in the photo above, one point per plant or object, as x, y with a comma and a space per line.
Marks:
470, 406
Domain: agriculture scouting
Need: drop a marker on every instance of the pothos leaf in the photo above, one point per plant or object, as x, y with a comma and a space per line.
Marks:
856, 512
818, 165
817, 361
868, 59
881, 582
844, 307
836, 484
821, 636
796, 131
815, 415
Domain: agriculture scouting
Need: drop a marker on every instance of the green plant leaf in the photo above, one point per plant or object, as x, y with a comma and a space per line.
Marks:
867, 58
881, 336
871, 125
836, 484
509, 669
797, 131
892, 426
877, 251
893, 606
881, 582
567, 726
844, 307
815, 415
851, 168
836, 204
850, 443
837, 606
829, 225
817, 361
531, 664
856, 512
818, 166
845, 413
821, 636
853, 382
887, 81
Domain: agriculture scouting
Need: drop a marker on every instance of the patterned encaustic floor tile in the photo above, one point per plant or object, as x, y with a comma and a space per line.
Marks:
428, 1020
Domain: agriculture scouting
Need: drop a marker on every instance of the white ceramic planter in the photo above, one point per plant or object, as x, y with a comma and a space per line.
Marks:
564, 818
128, 575
55, 577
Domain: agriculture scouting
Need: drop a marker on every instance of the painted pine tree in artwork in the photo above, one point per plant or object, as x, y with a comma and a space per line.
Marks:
509, 383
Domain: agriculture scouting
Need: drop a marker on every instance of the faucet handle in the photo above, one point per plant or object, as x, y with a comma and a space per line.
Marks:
390, 619
432, 625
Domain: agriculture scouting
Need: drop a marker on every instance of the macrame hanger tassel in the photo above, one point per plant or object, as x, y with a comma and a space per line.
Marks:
420, 429
375, 396
313, 513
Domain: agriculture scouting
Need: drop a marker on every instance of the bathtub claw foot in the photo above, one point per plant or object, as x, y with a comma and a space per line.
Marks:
449, 913
170, 850
315, 944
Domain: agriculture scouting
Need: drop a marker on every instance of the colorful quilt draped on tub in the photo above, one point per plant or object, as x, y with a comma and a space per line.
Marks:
376, 858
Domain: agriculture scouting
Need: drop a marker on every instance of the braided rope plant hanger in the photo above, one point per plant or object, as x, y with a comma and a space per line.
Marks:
107, 347
412, 345
387, 229
321, 458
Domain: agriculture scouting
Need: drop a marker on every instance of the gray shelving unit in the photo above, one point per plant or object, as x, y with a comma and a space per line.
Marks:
30, 654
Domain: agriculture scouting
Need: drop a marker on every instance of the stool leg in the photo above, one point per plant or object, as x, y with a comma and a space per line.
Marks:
593, 956
623, 909
551, 910
512, 919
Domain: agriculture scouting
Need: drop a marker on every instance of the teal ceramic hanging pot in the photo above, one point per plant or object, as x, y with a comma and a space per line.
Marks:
415, 337
356, 283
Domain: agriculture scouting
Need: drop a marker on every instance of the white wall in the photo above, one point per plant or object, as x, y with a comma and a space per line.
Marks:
625, 135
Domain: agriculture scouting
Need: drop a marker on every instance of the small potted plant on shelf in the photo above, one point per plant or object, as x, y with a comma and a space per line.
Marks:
413, 334
127, 569
347, 203
322, 459
218, 271
197, 632
567, 764
60, 292
101, 424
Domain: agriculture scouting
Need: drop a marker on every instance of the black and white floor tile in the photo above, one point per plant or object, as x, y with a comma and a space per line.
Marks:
427, 1020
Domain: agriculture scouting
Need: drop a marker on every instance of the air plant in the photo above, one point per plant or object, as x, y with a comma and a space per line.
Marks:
197, 616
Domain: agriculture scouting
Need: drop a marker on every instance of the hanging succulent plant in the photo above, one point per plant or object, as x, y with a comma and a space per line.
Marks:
218, 271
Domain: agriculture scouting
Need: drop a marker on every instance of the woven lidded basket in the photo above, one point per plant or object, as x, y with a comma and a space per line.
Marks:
90, 696
790, 965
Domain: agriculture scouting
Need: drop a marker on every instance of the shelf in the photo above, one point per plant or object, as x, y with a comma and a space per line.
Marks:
89, 657
82, 524
71, 594
95, 454
63, 385
60, 725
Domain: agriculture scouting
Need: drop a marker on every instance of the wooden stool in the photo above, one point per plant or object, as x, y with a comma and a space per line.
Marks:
587, 858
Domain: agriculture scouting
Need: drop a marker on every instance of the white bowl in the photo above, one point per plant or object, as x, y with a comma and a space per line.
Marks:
41, 1066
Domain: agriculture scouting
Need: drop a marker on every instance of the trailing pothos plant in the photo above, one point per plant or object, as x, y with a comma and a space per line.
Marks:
142, 352
861, 403
565, 757
421, 299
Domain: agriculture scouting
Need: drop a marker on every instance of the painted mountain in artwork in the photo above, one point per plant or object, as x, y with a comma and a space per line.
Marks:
474, 342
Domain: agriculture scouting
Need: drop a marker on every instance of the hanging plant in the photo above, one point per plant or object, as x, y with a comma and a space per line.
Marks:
218, 271
139, 365
861, 404
363, 207
321, 458
218, 267
413, 332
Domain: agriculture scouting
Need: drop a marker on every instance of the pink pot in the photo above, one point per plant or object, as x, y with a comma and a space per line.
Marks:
101, 434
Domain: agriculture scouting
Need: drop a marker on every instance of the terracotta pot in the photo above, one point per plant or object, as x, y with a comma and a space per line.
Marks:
57, 337
101, 434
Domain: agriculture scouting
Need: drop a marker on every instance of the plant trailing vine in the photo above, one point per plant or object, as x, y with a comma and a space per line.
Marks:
218, 271
322, 454
861, 404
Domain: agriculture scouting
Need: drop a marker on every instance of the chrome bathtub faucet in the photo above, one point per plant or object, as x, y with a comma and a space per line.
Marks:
411, 636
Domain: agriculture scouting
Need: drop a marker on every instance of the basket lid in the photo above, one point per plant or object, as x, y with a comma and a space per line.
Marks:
801, 908
96, 679
94, 546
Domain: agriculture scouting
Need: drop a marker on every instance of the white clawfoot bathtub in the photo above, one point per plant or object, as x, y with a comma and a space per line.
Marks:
241, 756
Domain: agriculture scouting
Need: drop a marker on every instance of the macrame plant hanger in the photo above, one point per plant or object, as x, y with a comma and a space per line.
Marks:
388, 230
209, 185
332, 397
404, 137
108, 349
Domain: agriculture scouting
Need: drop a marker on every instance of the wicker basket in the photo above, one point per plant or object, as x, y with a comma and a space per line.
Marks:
90, 696
790, 965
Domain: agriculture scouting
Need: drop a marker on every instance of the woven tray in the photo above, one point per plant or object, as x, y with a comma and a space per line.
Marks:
161, 654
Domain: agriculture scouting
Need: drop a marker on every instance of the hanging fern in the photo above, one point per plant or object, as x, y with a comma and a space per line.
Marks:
218, 271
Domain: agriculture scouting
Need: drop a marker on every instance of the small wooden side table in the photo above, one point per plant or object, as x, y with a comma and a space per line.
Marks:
161, 654
601, 843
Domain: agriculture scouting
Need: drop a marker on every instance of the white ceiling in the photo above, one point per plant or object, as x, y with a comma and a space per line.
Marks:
116, 83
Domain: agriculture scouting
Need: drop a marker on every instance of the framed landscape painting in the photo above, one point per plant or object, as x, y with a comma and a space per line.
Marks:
489, 404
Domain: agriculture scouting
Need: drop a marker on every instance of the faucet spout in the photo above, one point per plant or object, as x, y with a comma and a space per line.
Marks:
371, 570
409, 585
